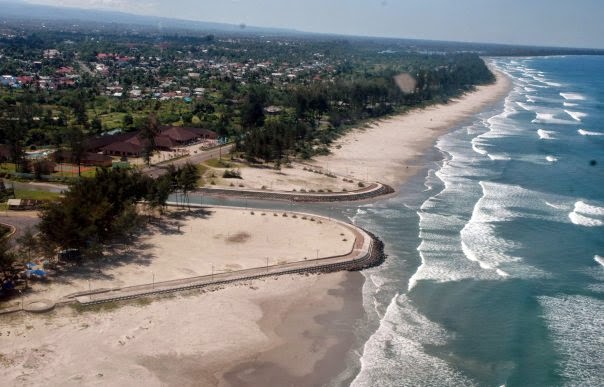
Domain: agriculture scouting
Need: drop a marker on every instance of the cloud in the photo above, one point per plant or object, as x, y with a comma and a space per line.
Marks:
134, 6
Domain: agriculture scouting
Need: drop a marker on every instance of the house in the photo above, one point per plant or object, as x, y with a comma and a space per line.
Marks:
65, 70
88, 158
132, 145
51, 53
22, 204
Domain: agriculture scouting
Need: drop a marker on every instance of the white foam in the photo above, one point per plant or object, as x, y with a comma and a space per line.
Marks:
575, 324
556, 206
549, 118
599, 259
546, 134
477, 149
581, 220
551, 159
395, 354
584, 132
587, 215
577, 116
570, 104
572, 96
588, 209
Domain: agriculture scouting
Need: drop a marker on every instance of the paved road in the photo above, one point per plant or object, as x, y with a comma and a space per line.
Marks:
198, 158
21, 221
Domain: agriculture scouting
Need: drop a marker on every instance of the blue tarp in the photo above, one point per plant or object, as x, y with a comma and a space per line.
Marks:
39, 273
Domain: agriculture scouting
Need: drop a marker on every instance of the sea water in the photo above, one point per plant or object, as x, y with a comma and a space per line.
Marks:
495, 274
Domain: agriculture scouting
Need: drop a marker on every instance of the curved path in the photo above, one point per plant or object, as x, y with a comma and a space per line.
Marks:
20, 221
373, 190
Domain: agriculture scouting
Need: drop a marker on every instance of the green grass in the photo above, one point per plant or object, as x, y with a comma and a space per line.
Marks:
36, 195
7, 167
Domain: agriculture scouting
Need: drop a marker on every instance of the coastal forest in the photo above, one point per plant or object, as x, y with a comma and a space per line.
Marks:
275, 97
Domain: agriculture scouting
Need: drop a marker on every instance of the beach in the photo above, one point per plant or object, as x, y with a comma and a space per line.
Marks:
288, 330
386, 151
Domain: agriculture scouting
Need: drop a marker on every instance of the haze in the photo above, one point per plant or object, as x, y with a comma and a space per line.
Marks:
533, 22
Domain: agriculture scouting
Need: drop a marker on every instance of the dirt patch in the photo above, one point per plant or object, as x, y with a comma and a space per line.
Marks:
240, 237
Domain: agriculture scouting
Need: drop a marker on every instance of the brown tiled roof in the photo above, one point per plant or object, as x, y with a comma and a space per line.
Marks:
164, 142
96, 143
179, 134
123, 147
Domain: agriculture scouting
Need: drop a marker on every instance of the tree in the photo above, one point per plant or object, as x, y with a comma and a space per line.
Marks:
149, 131
96, 125
252, 110
128, 120
7, 258
97, 210
75, 138
14, 134
187, 178
27, 243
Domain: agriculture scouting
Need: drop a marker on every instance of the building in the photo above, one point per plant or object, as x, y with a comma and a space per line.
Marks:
132, 145
88, 158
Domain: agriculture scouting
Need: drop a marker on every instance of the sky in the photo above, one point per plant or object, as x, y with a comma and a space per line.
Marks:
568, 23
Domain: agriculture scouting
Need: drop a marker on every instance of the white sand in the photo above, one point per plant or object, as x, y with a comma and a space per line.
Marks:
221, 240
286, 179
187, 340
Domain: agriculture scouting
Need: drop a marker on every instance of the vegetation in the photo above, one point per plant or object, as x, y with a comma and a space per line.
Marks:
97, 210
290, 96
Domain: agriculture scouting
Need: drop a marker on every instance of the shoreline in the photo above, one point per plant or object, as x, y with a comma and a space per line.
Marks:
290, 330
387, 150
437, 124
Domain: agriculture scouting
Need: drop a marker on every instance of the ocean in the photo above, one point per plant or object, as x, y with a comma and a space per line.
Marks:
495, 274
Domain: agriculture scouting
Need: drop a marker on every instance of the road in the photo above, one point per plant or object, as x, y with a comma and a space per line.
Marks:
198, 158
21, 221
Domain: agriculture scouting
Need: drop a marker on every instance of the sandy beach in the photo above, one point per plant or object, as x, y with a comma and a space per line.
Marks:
385, 151
291, 330
274, 331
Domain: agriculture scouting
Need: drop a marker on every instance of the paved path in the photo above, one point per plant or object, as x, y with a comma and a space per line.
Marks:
21, 221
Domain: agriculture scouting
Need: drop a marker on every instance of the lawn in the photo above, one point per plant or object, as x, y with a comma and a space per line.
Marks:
36, 195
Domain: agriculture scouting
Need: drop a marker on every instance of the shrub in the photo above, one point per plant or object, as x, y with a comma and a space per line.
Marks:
361, 185
232, 174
